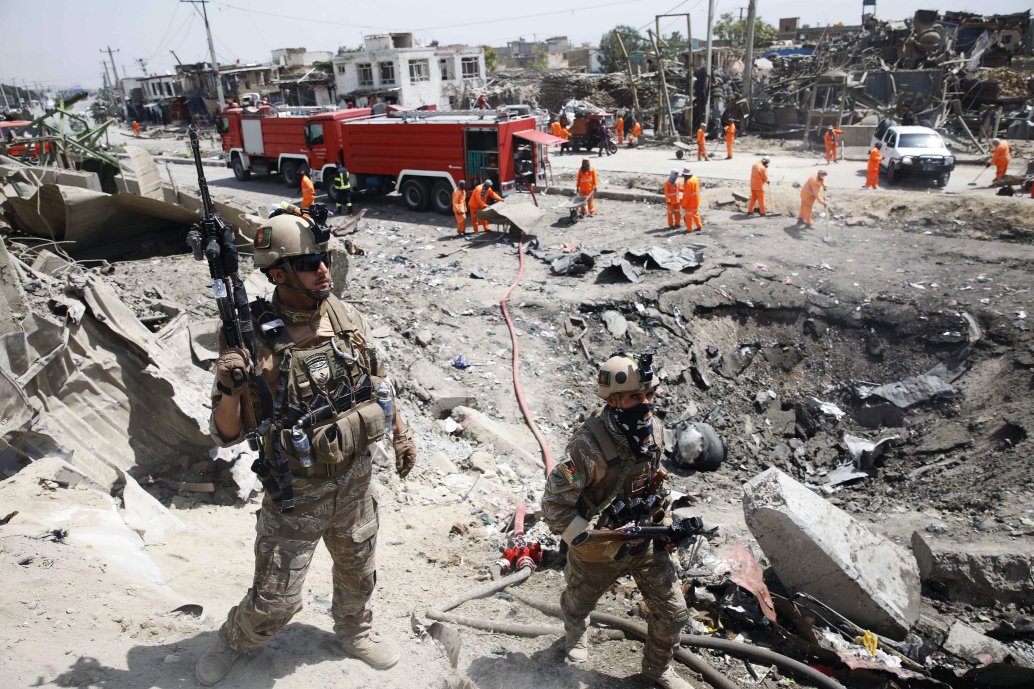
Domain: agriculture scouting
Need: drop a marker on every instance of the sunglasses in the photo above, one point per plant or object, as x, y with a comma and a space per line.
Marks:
310, 263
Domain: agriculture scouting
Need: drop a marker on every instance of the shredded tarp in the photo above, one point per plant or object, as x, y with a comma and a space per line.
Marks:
864, 452
885, 404
685, 259
103, 391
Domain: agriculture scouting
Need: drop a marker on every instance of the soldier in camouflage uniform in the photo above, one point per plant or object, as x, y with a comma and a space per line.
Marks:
312, 344
614, 456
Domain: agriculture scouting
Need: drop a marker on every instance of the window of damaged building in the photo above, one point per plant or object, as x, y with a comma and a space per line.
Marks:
445, 65
419, 70
387, 73
364, 73
470, 68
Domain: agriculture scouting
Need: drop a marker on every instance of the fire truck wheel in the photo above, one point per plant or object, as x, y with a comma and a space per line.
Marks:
328, 184
239, 171
289, 173
441, 198
415, 194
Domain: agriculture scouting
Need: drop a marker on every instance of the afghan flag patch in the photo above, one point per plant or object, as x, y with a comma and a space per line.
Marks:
570, 472
264, 237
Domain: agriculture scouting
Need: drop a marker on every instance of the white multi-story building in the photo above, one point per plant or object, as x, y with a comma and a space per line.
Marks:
393, 68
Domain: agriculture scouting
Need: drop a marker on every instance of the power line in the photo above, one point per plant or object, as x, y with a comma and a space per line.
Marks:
161, 43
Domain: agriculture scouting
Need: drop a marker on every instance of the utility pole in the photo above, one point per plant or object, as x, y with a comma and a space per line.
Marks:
117, 83
689, 61
707, 64
748, 62
7, 105
662, 93
211, 50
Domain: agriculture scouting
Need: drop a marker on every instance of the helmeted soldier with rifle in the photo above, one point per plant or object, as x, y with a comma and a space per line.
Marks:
608, 503
299, 378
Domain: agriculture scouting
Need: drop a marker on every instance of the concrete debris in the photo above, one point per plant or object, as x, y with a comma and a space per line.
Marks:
976, 573
819, 549
616, 324
437, 389
974, 647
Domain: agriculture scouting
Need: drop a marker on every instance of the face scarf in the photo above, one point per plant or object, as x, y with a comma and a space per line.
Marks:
637, 425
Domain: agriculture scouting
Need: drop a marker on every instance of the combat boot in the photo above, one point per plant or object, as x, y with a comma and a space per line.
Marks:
371, 648
577, 646
667, 680
216, 662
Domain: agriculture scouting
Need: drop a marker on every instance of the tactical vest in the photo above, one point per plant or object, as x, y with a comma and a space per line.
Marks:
342, 370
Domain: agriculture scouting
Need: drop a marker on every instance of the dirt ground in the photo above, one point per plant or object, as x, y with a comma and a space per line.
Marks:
876, 294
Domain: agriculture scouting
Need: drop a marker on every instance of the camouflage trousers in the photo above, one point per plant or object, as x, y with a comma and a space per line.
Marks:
342, 511
654, 574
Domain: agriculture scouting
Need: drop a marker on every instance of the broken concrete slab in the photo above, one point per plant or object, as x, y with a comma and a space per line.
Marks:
434, 386
616, 324
819, 549
973, 646
980, 573
506, 439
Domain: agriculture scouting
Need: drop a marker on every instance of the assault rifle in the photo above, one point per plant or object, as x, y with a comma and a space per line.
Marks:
676, 534
211, 239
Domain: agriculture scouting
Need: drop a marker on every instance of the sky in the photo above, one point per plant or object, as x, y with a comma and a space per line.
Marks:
61, 43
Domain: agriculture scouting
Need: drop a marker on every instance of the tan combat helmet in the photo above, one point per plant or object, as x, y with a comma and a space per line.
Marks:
286, 235
626, 373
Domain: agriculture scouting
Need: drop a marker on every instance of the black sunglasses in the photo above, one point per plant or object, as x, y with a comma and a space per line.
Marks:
310, 262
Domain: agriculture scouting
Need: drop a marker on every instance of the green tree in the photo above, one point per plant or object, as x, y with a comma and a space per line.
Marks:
611, 57
491, 58
539, 59
734, 31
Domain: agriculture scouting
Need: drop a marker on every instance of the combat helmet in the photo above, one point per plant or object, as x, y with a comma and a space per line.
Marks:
288, 234
625, 372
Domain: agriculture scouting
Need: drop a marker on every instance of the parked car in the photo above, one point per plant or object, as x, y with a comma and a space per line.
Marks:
913, 152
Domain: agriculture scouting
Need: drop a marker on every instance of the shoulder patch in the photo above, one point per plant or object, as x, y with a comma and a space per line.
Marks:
263, 238
570, 472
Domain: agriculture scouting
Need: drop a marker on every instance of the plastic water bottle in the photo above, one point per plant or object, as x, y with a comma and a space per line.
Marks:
383, 391
302, 447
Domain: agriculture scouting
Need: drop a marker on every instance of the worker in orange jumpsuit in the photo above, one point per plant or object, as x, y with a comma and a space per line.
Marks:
833, 140
758, 180
481, 198
620, 126
672, 199
565, 134
691, 200
586, 186
555, 127
810, 193
633, 136
136, 128
730, 137
701, 144
872, 171
1000, 158
308, 190
459, 207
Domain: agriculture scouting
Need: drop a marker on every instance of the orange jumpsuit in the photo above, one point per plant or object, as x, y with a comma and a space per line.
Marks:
136, 128
586, 186
701, 144
621, 130
556, 127
810, 193
637, 131
308, 192
832, 138
730, 137
691, 203
758, 180
672, 191
1000, 158
478, 200
459, 209
872, 171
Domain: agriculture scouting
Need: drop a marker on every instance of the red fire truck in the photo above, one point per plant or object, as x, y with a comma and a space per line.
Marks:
423, 154
263, 140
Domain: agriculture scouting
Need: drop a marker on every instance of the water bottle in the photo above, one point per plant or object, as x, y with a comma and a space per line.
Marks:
383, 391
302, 447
